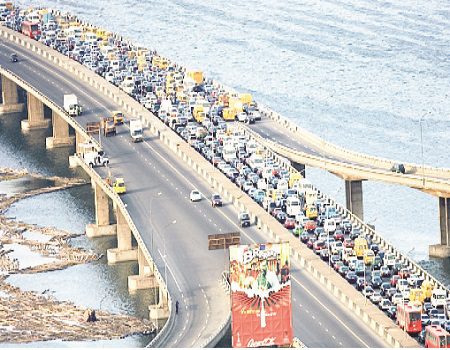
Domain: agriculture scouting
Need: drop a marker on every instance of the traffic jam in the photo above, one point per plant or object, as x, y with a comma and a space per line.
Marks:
206, 116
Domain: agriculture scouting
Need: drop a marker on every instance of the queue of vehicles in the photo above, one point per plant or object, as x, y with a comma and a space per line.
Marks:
200, 112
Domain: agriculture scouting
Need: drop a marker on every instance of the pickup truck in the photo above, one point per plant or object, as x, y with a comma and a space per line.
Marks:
244, 219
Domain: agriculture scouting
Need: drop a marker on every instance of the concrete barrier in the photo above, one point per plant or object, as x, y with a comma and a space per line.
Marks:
345, 293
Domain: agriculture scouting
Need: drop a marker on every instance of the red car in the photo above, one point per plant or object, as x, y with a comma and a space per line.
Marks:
318, 245
404, 273
339, 235
310, 242
348, 243
310, 225
289, 223
394, 280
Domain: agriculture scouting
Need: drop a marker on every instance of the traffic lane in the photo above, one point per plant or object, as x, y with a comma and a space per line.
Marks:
152, 221
337, 321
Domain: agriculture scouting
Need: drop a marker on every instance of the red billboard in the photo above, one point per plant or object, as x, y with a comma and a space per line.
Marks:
261, 313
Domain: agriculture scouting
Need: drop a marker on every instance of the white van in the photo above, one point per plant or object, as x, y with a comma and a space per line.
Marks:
438, 297
293, 206
329, 226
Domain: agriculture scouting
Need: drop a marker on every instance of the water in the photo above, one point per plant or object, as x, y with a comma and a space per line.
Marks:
92, 285
359, 73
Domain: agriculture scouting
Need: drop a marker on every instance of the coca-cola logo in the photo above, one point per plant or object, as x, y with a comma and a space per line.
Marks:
269, 341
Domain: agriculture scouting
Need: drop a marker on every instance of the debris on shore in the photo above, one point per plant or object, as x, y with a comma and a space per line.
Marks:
33, 316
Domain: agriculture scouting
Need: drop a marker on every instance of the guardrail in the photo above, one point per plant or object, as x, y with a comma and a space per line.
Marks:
49, 103
367, 230
114, 196
337, 286
341, 152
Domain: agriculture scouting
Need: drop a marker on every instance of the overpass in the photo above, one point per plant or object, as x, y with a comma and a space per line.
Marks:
152, 168
304, 148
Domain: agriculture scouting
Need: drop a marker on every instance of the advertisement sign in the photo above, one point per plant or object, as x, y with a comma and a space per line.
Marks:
260, 282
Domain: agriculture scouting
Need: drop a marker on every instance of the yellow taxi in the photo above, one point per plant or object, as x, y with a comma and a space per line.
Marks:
119, 186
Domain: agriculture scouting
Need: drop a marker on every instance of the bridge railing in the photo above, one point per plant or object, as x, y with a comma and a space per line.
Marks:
94, 175
366, 229
49, 103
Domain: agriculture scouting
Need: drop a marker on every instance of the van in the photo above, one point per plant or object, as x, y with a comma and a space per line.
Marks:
294, 177
438, 298
360, 246
311, 211
293, 207
360, 268
369, 257
329, 226
389, 260
427, 288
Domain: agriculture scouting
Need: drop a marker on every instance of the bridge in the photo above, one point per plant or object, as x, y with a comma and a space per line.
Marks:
170, 233
304, 148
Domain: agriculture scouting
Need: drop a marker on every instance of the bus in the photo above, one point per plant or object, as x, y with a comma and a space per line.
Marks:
360, 246
31, 29
409, 318
436, 337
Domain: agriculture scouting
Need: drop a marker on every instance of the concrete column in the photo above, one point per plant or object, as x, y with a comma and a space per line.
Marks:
124, 250
35, 114
10, 98
354, 197
443, 250
61, 136
146, 278
102, 225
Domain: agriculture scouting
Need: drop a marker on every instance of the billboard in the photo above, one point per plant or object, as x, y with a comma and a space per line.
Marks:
260, 284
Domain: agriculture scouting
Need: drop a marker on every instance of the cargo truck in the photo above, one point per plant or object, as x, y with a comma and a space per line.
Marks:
109, 128
136, 130
72, 106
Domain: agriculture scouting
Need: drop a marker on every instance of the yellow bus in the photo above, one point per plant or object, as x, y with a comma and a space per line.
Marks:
360, 246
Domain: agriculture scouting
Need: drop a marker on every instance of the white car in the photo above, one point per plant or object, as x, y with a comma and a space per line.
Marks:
242, 117
195, 196
397, 298
376, 297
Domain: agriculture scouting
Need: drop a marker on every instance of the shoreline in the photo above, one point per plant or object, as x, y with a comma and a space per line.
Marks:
41, 316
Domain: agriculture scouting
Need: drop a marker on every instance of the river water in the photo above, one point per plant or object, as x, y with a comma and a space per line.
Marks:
93, 285
359, 73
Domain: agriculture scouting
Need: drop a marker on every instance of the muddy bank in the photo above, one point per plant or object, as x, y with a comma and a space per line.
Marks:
27, 248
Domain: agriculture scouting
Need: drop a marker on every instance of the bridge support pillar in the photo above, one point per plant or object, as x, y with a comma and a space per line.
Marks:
146, 278
443, 250
160, 312
61, 136
35, 114
102, 226
10, 99
354, 197
124, 250
300, 168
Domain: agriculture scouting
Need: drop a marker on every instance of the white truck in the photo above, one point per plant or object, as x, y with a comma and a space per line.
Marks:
136, 130
72, 106
95, 158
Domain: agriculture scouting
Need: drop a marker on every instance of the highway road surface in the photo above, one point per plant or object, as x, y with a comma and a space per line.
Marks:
158, 187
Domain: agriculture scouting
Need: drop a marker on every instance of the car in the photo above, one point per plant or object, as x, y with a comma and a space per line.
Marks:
310, 225
119, 186
281, 217
338, 235
394, 280
398, 168
324, 254
289, 223
317, 246
402, 284
14, 58
348, 243
343, 270
397, 298
216, 200
346, 226
421, 336
384, 288
376, 282
368, 292
360, 283
404, 273
427, 307
310, 242
392, 312
425, 320
385, 272
374, 247
390, 292
351, 277
355, 233
375, 297
195, 196
384, 304
433, 313
244, 219
304, 237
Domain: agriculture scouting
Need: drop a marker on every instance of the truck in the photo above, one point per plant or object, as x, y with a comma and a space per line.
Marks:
109, 128
95, 158
136, 130
93, 128
244, 219
71, 105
